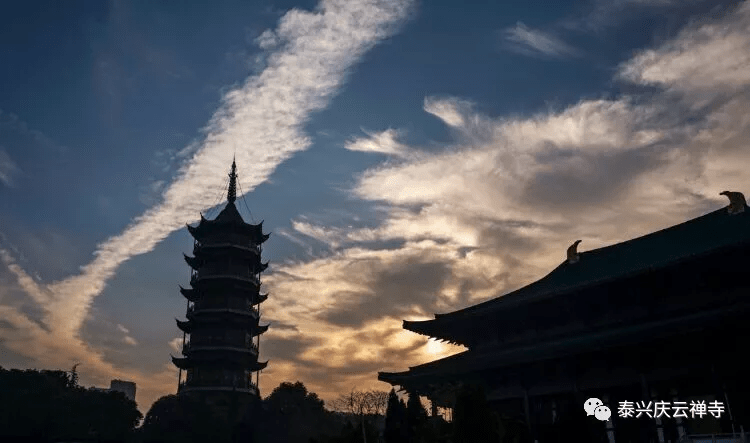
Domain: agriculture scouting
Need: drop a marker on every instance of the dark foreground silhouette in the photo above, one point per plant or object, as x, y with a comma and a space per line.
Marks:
50, 406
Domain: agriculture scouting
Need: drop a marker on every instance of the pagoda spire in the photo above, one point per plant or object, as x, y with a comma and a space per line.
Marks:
232, 191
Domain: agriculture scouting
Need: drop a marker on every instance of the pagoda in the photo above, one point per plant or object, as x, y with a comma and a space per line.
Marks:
222, 332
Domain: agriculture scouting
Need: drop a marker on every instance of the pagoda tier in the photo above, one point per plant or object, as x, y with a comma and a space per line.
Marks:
223, 318
254, 329
254, 296
218, 278
244, 257
253, 263
221, 362
228, 249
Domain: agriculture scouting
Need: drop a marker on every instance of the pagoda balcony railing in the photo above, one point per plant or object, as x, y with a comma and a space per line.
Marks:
248, 387
250, 310
250, 248
223, 273
218, 346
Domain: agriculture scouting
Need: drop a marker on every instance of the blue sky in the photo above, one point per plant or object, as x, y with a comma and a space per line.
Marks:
408, 158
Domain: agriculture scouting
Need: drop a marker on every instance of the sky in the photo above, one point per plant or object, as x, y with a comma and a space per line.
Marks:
408, 158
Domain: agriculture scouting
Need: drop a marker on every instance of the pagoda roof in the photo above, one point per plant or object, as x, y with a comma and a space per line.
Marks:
228, 219
703, 235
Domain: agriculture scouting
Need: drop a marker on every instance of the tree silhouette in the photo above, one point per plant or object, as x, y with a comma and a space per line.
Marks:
50, 406
184, 418
365, 404
395, 420
293, 414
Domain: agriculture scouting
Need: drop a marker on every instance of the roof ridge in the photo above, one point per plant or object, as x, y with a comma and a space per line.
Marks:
624, 246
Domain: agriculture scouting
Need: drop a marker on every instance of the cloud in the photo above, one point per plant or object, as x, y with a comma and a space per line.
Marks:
451, 111
537, 43
8, 168
127, 339
176, 344
497, 209
261, 121
267, 39
384, 143
707, 56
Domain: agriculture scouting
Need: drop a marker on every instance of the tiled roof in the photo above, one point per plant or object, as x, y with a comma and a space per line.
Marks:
701, 235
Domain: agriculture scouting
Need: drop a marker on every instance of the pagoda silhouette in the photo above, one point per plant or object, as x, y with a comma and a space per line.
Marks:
221, 336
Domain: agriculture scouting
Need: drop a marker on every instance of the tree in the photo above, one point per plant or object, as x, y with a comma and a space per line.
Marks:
290, 398
362, 404
49, 405
395, 420
293, 414
174, 418
73, 380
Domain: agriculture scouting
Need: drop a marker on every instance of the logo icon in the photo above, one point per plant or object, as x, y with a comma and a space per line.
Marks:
602, 413
591, 405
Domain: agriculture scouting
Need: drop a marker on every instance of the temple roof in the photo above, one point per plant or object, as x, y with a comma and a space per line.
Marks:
709, 233
498, 356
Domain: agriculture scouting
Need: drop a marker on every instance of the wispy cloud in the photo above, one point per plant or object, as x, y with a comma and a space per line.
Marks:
708, 56
536, 43
385, 142
8, 168
261, 121
127, 339
451, 111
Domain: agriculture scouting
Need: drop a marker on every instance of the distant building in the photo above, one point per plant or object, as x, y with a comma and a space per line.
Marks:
126, 387
222, 331
659, 320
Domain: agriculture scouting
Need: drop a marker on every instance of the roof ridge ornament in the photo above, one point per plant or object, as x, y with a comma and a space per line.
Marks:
737, 202
573, 255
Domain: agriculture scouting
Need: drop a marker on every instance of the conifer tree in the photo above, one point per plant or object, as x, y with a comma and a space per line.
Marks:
395, 420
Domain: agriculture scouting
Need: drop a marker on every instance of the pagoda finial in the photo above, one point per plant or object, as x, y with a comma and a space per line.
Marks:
232, 192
